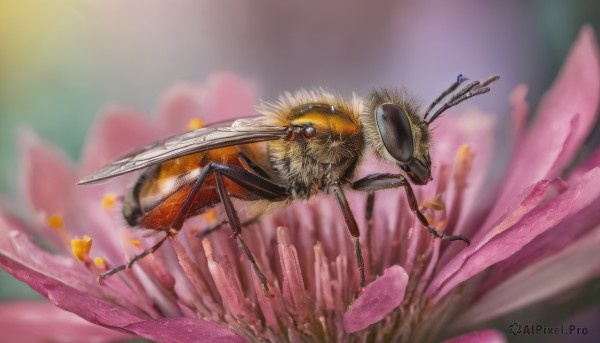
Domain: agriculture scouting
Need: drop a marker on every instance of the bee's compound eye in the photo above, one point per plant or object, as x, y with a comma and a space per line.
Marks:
394, 127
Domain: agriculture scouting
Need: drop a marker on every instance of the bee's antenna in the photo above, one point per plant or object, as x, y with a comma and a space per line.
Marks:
472, 89
459, 79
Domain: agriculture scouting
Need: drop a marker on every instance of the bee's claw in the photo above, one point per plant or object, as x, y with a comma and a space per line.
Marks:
266, 291
359, 292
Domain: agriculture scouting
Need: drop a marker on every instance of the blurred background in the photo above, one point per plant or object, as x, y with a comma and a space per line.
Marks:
62, 60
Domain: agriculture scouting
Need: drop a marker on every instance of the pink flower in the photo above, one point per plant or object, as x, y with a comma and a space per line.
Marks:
534, 234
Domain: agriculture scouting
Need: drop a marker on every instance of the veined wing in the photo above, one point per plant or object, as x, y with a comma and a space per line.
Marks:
241, 131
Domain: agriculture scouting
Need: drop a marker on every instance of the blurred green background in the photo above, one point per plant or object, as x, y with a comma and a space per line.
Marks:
62, 60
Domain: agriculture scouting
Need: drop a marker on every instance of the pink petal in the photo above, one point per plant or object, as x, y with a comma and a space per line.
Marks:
592, 161
225, 96
228, 284
534, 160
192, 271
294, 293
565, 119
9, 224
228, 97
46, 175
177, 105
487, 336
116, 131
184, 330
380, 298
474, 128
530, 199
67, 297
21, 258
580, 261
42, 321
466, 203
102, 312
520, 111
547, 244
575, 91
475, 259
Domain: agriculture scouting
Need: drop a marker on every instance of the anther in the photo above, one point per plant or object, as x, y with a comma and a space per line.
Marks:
109, 200
81, 247
55, 221
195, 124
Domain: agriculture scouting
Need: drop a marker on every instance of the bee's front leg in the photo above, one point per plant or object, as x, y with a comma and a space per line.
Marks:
376, 182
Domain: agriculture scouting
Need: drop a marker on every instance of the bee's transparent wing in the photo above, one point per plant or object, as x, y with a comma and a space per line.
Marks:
241, 131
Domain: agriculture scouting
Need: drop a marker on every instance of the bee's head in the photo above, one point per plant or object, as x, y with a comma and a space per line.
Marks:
396, 131
398, 134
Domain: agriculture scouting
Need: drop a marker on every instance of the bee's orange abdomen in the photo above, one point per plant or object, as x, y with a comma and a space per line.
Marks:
160, 216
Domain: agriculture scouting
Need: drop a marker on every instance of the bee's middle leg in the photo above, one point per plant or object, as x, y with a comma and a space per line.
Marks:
257, 186
354, 232
369, 208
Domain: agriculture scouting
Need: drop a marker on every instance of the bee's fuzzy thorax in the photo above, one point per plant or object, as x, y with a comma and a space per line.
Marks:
309, 165
276, 111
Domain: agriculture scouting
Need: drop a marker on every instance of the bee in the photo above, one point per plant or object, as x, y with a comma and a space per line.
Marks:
303, 144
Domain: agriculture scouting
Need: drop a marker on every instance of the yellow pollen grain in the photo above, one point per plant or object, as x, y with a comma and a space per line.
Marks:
195, 124
81, 247
109, 200
426, 204
210, 216
55, 221
100, 262
438, 206
429, 218
135, 242
463, 151
465, 156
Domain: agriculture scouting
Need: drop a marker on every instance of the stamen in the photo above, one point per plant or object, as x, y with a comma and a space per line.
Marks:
463, 151
100, 263
210, 216
426, 204
81, 247
207, 248
438, 206
109, 200
135, 242
463, 163
55, 221
435, 204
195, 124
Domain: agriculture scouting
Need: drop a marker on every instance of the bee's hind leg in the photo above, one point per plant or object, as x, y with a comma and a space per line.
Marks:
171, 232
217, 226
134, 259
